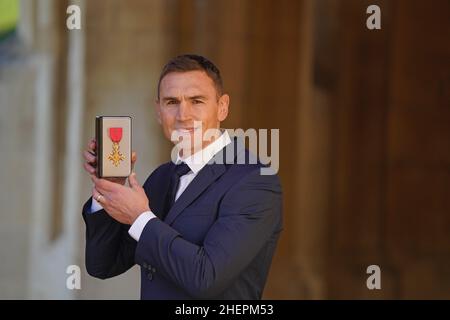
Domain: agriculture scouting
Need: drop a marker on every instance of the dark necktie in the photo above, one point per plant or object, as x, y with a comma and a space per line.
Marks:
180, 170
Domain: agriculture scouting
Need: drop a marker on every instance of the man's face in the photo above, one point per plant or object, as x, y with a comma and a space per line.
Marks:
186, 100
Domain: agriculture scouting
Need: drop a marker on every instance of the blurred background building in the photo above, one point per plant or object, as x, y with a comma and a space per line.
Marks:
364, 119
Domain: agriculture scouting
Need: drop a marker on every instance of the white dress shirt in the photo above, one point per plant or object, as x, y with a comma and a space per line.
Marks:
195, 162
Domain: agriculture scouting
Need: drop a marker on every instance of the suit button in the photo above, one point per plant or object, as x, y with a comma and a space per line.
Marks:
153, 270
150, 276
144, 265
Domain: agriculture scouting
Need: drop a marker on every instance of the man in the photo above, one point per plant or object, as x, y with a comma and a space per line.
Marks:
202, 227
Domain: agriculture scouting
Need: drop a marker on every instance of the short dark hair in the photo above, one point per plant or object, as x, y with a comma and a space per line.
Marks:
192, 62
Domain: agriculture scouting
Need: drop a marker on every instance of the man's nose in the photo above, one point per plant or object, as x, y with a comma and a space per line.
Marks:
184, 111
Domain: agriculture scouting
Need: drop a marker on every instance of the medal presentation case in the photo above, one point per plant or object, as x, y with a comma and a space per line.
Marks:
113, 136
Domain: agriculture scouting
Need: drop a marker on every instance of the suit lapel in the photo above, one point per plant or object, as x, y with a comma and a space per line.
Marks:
204, 178
158, 196
210, 173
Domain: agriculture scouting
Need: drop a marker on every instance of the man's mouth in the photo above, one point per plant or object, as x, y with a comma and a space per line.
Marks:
186, 130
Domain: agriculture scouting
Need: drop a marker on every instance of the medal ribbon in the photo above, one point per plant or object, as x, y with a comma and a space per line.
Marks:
115, 134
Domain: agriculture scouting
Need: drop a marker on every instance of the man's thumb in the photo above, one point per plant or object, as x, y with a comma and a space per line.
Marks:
132, 180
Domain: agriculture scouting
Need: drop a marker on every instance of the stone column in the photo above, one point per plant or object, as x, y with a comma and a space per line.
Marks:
125, 50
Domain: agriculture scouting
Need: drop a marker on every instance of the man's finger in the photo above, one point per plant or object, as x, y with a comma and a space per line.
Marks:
92, 145
103, 185
132, 180
98, 196
89, 157
133, 160
95, 193
89, 168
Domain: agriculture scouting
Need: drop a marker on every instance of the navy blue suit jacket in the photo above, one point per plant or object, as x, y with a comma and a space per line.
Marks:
216, 242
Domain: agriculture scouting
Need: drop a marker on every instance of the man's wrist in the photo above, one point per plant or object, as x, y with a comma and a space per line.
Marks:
139, 224
134, 218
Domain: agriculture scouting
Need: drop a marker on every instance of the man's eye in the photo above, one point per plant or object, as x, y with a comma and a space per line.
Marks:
197, 101
172, 102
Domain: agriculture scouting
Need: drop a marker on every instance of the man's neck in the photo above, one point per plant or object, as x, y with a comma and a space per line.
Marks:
200, 148
199, 159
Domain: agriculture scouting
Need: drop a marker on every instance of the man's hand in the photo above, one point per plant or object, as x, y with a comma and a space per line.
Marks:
91, 162
121, 202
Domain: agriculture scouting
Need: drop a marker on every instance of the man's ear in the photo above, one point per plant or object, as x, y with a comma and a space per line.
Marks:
224, 102
158, 110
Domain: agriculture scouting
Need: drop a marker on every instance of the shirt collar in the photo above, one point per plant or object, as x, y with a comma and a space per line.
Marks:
198, 160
